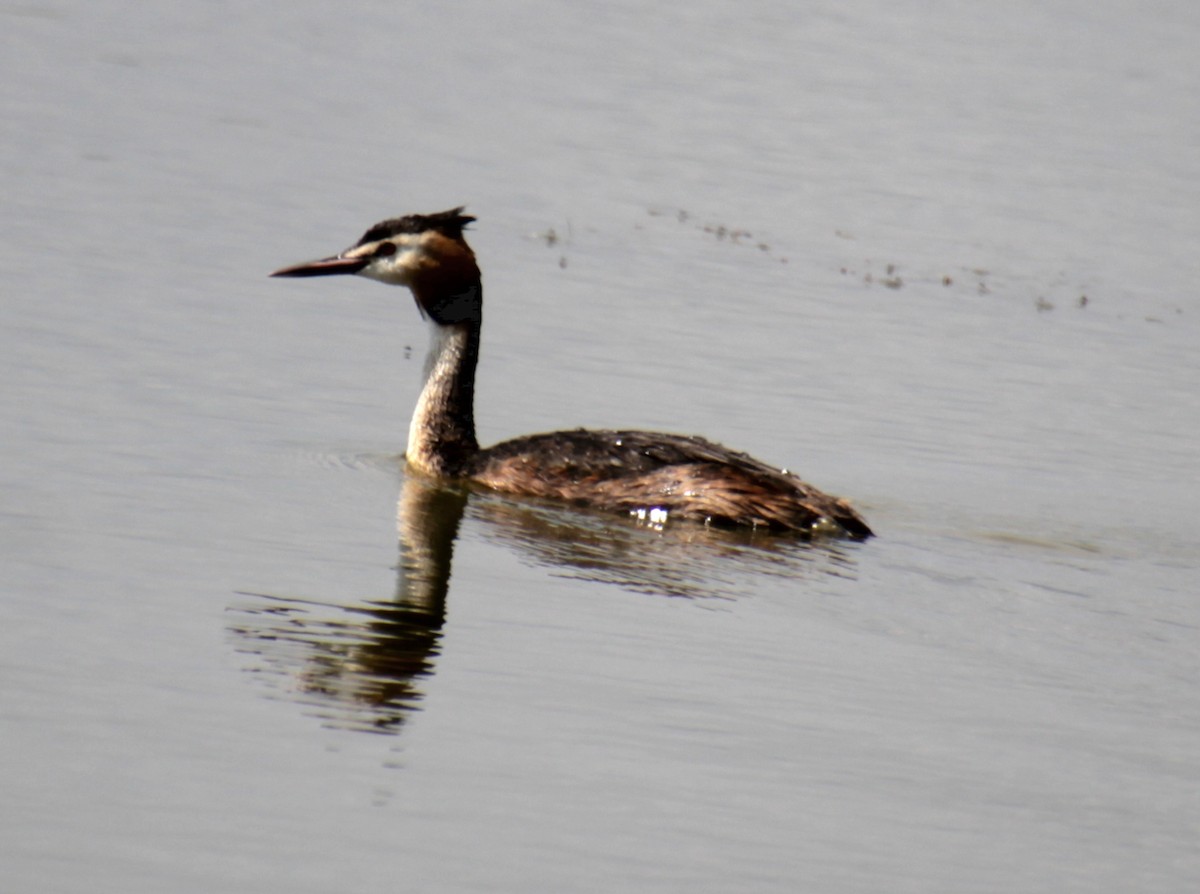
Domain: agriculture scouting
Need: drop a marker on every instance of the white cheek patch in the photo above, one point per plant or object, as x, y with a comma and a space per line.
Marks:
394, 269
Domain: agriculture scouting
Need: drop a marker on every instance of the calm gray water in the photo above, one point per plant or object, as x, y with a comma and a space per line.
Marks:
939, 258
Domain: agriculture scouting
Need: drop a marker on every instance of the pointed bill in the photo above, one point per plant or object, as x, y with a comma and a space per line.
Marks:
324, 267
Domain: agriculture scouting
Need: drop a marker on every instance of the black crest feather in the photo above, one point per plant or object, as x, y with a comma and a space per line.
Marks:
449, 223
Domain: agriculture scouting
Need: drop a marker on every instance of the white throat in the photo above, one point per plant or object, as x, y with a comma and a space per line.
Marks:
440, 410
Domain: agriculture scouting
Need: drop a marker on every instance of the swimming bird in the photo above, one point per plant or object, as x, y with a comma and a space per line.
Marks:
651, 475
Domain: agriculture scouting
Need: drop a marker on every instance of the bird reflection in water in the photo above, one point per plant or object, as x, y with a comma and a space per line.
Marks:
360, 666
673, 559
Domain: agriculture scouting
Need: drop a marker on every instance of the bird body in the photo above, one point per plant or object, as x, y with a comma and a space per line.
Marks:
649, 474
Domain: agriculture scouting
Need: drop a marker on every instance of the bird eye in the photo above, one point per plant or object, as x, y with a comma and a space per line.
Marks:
385, 249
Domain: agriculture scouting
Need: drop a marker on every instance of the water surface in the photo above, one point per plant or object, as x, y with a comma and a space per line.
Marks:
937, 259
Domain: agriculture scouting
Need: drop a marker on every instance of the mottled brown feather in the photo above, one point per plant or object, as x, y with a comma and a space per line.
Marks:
688, 477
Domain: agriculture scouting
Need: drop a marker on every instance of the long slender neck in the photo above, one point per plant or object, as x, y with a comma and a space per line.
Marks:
441, 436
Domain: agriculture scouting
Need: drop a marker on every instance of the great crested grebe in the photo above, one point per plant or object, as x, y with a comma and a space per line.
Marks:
652, 475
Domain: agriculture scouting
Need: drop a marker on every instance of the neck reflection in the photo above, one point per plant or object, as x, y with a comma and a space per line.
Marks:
360, 666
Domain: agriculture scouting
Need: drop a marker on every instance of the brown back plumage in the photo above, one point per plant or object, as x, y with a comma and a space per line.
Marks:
688, 477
